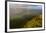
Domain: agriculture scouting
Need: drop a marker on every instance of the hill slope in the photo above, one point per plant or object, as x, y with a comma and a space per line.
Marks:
35, 22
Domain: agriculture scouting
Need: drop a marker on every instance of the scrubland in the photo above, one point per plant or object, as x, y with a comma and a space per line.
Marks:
26, 21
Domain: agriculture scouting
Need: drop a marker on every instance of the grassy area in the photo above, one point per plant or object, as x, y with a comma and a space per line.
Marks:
26, 21
35, 22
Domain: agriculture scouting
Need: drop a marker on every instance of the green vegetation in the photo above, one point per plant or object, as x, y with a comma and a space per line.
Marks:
26, 21
35, 22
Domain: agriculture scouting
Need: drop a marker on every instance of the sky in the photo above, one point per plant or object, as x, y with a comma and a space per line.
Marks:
29, 6
18, 9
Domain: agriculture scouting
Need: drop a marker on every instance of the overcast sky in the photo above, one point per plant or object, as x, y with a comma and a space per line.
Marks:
19, 9
39, 7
